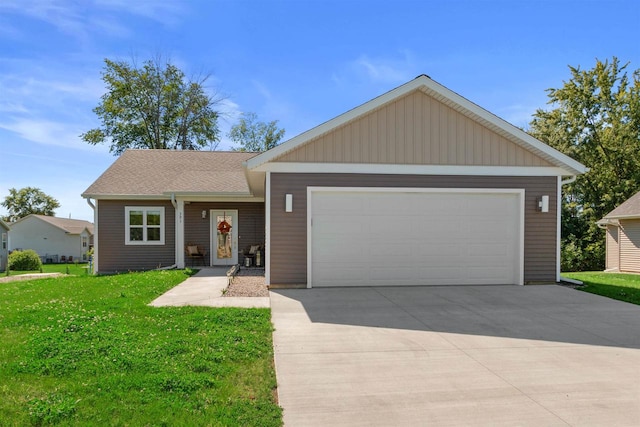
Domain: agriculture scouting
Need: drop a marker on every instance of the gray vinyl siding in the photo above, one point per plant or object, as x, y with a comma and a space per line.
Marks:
613, 248
115, 256
629, 241
250, 224
289, 230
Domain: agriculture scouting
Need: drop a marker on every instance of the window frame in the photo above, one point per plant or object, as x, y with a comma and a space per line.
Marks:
5, 240
145, 227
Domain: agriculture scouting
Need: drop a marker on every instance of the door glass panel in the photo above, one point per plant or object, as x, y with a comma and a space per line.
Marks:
223, 226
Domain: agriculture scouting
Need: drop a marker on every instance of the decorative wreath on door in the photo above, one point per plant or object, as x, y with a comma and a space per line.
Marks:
224, 227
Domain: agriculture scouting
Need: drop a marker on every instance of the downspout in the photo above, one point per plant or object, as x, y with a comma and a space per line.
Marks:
94, 261
561, 183
91, 204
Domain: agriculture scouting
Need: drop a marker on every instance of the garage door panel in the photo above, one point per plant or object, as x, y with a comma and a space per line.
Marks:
489, 251
415, 238
442, 251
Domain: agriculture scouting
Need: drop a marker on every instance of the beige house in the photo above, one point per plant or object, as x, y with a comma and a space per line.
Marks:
54, 239
418, 186
622, 227
4, 245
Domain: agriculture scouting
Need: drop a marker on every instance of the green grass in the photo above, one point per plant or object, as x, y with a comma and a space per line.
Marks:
83, 351
623, 287
77, 269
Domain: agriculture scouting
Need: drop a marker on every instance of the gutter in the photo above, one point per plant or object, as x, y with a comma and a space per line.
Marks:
603, 223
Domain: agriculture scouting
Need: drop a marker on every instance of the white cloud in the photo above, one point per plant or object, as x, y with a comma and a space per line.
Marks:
48, 92
47, 132
84, 18
229, 114
274, 107
386, 70
166, 12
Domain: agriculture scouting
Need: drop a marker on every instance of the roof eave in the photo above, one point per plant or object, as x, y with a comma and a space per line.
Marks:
619, 217
207, 194
446, 96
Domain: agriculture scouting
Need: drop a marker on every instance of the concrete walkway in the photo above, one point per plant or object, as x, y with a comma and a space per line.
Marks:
454, 356
205, 288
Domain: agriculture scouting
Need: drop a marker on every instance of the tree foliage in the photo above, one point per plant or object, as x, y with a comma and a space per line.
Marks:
595, 119
153, 106
253, 135
26, 201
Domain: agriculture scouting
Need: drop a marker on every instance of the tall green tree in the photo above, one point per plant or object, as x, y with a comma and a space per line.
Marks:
594, 118
250, 134
26, 201
154, 106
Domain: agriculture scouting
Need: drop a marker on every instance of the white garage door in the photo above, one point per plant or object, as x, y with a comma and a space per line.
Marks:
365, 237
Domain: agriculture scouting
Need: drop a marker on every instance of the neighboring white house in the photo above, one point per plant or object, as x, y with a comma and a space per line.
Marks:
4, 245
54, 239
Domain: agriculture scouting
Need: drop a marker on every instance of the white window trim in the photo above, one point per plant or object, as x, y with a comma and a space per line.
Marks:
144, 241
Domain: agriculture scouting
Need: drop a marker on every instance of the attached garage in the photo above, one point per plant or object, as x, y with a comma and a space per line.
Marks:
418, 186
401, 236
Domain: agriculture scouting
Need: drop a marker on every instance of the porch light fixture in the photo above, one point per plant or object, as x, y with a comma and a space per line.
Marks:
204, 214
288, 203
543, 204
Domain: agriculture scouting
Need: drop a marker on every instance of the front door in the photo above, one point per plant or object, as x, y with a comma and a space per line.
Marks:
224, 237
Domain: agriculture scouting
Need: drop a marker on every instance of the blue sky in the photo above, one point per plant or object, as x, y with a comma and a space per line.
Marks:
301, 62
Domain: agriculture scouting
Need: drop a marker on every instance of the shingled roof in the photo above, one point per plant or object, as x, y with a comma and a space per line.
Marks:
161, 172
68, 225
629, 209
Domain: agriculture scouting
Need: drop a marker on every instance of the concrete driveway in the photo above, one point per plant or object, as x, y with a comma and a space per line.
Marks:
451, 356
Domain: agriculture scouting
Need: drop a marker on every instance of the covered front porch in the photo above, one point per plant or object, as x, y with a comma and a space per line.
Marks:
221, 244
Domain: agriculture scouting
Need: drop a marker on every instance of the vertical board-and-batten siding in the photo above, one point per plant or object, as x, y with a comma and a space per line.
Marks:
115, 255
289, 229
629, 244
250, 224
613, 248
424, 132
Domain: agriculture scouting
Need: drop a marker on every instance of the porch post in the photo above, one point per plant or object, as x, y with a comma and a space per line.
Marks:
180, 233
267, 229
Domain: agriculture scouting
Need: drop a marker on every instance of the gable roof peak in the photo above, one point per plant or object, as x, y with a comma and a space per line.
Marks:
443, 95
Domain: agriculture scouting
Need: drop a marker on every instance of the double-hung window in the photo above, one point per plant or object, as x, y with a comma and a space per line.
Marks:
144, 225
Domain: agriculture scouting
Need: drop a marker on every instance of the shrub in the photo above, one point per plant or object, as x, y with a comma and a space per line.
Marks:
581, 256
27, 260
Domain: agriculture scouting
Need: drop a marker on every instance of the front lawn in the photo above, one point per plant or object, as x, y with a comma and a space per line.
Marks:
623, 287
90, 351
77, 268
